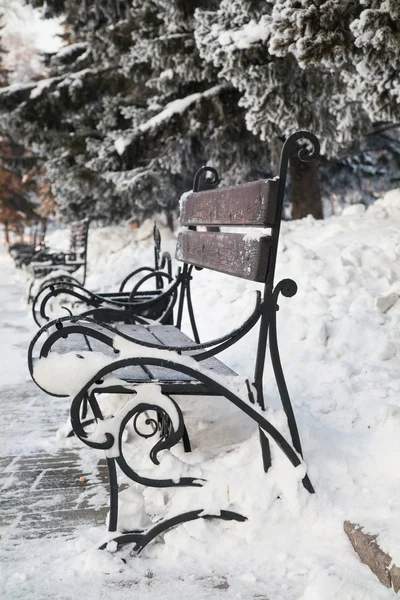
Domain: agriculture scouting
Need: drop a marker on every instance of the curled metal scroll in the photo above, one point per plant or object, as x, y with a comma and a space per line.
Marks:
169, 435
126, 300
154, 274
200, 178
133, 274
286, 287
291, 147
149, 422
202, 376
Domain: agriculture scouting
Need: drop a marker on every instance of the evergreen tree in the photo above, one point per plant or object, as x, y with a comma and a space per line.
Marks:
331, 66
133, 111
59, 115
186, 116
19, 50
146, 91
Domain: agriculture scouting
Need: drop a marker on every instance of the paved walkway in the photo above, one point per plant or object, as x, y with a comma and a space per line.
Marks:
45, 492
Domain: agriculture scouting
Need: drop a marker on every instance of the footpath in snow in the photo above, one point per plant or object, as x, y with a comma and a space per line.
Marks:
340, 350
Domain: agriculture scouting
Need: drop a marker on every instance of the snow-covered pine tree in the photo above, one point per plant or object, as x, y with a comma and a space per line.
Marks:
17, 197
321, 65
130, 111
358, 42
59, 115
146, 91
189, 117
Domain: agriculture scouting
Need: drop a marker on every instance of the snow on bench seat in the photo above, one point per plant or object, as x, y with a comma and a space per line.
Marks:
166, 335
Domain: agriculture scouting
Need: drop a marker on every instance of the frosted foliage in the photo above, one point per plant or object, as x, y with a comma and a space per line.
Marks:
167, 44
313, 31
377, 34
218, 33
360, 40
146, 92
269, 115
278, 97
347, 54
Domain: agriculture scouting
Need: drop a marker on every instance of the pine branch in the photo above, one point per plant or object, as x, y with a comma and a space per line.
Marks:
385, 127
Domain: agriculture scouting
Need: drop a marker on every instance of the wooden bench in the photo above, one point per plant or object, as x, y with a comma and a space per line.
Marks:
46, 261
122, 305
22, 253
172, 363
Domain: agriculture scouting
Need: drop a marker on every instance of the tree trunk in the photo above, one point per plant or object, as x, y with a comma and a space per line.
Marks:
305, 192
6, 232
43, 229
170, 220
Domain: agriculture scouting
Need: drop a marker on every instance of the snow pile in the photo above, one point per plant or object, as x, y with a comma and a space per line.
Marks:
340, 353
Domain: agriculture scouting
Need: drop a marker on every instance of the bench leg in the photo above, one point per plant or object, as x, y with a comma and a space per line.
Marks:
198, 374
185, 440
142, 538
279, 376
185, 435
112, 474
265, 450
145, 399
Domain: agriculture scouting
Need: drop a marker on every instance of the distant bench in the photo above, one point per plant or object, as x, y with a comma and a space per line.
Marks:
188, 367
46, 261
118, 306
22, 253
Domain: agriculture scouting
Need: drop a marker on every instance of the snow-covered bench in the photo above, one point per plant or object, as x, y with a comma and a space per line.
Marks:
153, 365
23, 253
47, 261
114, 306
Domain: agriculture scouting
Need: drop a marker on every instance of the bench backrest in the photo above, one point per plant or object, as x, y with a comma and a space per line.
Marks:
256, 204
79, 231
250, 255
242, 255
79, 237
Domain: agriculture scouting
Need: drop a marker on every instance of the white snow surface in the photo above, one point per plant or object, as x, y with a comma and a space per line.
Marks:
340, 353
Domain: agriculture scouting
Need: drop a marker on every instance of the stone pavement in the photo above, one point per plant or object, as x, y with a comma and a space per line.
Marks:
44, 489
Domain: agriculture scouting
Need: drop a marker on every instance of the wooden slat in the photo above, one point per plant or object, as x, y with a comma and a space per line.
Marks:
170, 335
158, 334
167, 335
78, 234
231, 253
246, 204
147, 334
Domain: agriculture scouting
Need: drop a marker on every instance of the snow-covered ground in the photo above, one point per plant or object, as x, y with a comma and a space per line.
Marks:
340, 352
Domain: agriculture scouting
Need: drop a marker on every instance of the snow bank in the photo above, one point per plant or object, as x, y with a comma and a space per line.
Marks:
340, 353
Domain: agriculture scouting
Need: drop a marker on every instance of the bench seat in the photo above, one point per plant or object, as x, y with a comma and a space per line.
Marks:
167, 335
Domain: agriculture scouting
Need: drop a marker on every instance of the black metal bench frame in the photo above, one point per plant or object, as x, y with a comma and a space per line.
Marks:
22, 253
122, 305
187, 360
45, 261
